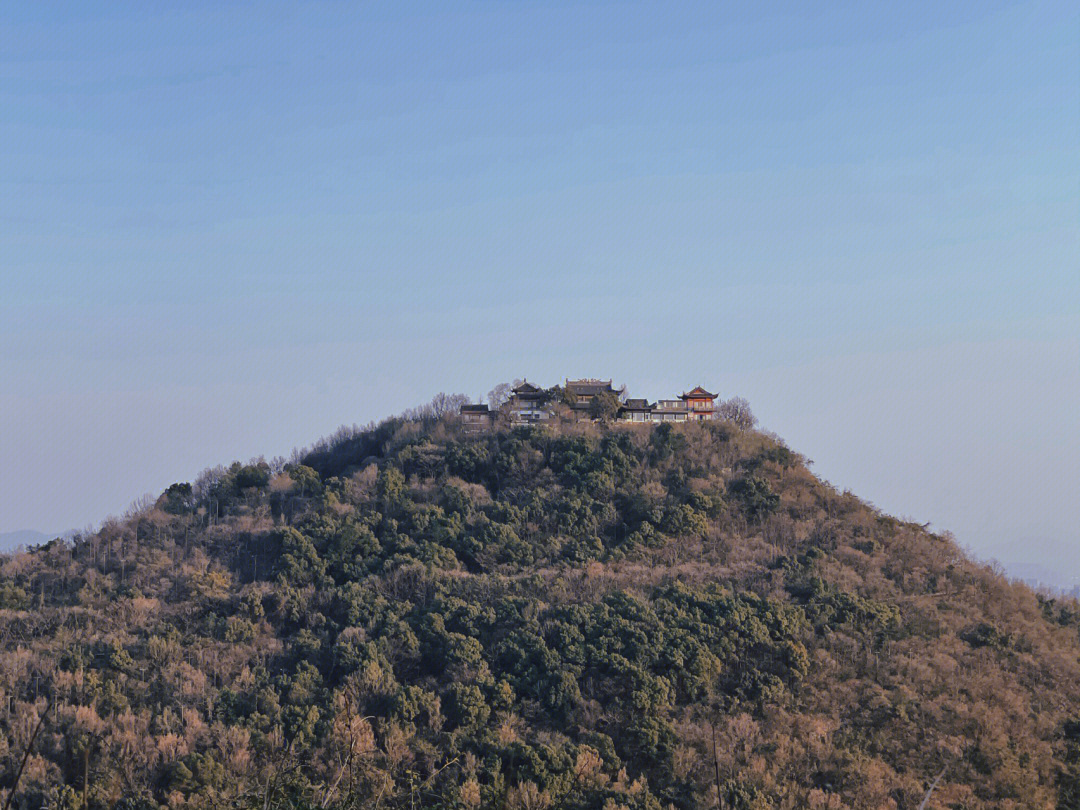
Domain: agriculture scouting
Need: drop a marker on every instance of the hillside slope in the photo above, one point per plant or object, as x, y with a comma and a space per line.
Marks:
579, 617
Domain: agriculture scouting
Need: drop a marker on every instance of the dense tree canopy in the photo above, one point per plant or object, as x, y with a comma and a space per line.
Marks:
581, 616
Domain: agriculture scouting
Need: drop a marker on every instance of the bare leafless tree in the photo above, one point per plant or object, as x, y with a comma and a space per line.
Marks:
26, 755
499, 395
736, 410
441, 405
445, 404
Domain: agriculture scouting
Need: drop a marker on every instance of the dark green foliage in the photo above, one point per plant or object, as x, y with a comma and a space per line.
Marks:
12, 597
299, 562
1069, 779
604, 406
252, 476
195, 772
390, 486
829, 607
739, 795
306, 480
177, 499
985, 635
468, 460
755, 496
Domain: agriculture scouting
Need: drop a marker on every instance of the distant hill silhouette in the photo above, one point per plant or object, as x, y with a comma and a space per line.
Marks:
23, 538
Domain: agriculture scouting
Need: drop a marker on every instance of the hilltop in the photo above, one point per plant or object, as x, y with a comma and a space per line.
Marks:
571, 616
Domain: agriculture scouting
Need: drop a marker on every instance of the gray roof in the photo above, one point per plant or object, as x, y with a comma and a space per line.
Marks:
588, 388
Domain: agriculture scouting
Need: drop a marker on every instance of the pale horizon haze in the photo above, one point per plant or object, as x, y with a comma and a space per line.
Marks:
227, 229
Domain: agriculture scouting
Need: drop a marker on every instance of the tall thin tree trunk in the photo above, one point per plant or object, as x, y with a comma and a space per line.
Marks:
85, 774
716, 767
26, 755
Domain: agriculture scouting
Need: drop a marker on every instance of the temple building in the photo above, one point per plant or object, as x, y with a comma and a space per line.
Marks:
531, 404
476, 418
700, 404
528, 404
636, 410
582, 392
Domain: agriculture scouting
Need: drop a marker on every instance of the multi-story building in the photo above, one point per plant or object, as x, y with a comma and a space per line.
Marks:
581, 393
476, 418
528, 404
700, 404
669, 410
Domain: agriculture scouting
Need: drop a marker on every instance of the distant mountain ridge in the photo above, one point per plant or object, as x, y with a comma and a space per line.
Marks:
1042, 576
23, 538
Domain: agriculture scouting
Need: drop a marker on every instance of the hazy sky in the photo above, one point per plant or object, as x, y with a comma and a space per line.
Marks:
227, 228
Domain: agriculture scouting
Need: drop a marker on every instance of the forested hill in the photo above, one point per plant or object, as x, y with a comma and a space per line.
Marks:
584, 616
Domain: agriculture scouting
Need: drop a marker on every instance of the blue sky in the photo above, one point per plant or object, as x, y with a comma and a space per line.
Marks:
226, 229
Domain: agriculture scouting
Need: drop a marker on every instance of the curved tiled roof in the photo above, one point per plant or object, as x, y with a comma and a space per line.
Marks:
697, 393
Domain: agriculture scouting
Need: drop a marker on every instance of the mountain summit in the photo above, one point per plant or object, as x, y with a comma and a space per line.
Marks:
602, 616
